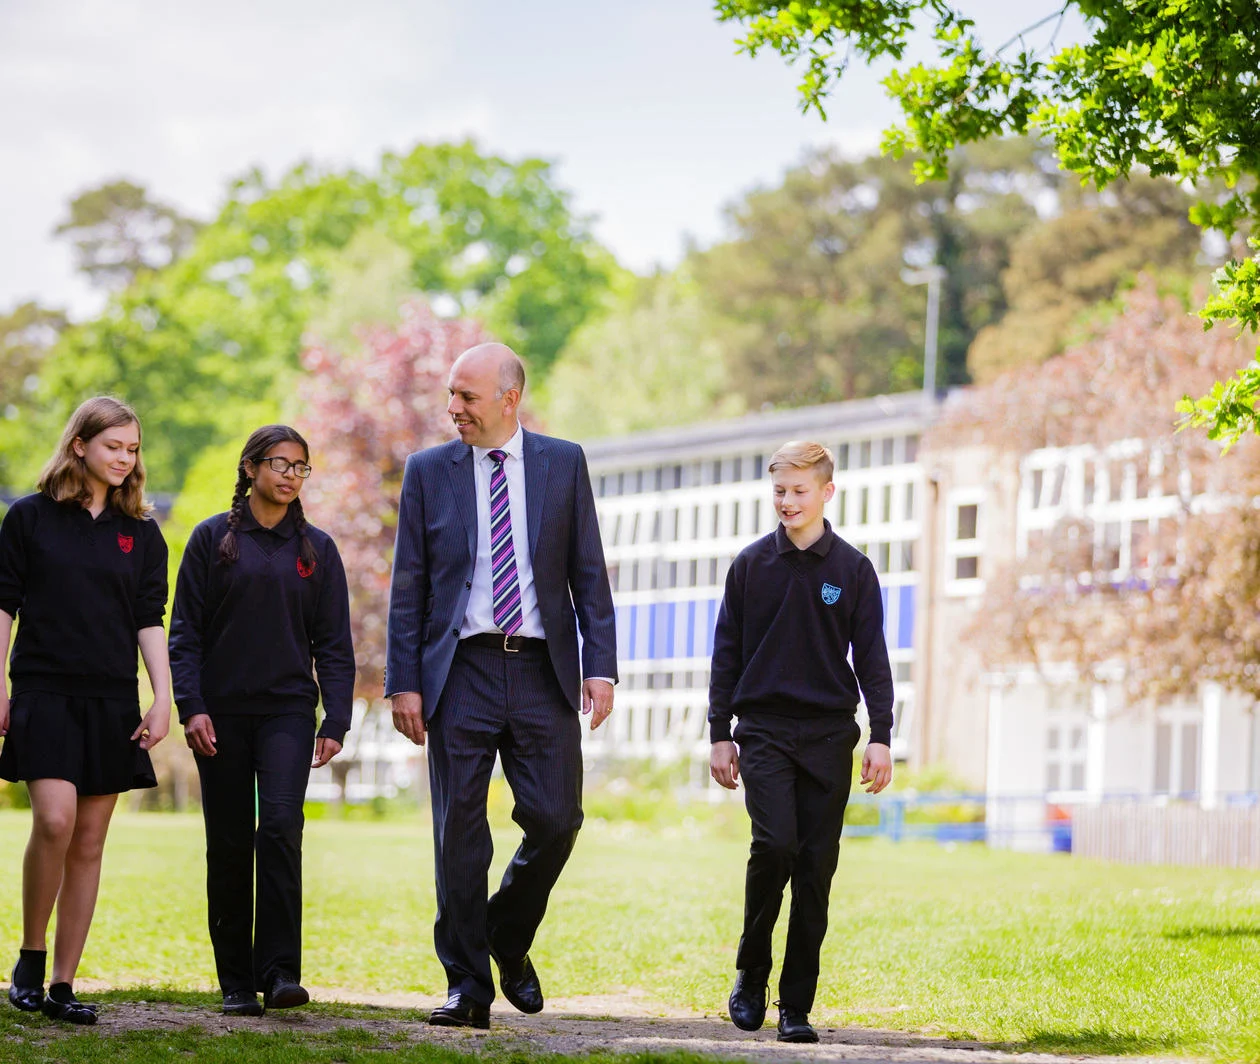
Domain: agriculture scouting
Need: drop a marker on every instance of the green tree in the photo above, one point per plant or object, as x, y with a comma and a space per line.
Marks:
1062, 269
210, 344
656, 357
813, 275
1167, 88
118, 231
27, 334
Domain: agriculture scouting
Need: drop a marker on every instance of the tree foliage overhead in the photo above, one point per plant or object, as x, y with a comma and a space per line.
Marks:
1167, 87
210, 344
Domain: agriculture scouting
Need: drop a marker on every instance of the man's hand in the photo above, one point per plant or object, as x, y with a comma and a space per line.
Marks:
156, 724
876, 767
724, 763
199, 734
597, 699
408, 715
325, 750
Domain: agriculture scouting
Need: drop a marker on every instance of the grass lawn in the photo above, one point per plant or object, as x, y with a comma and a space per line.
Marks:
1037, 952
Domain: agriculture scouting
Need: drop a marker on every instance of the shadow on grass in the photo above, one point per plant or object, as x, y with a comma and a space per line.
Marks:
1189, 934
1093, 1041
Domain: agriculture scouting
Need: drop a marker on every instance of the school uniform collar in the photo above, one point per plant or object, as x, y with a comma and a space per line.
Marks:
286, 528
821, 546
514, 448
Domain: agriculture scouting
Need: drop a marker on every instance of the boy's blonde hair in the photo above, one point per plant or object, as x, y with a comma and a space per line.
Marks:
802, 454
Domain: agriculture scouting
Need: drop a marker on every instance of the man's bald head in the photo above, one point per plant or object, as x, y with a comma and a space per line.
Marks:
499, 359
485, 385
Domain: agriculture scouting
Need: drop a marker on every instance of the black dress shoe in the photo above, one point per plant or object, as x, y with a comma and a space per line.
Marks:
241, 1003
284, 992
63, 1005
747, 1003
28, 998
794, 1025
460, 1012
520, 985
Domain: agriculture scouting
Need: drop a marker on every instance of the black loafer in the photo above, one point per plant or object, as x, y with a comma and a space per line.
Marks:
284, 992
520, 984
749, 997
241, 1003
794, 1025
77, 1012
26, 998
460, 1012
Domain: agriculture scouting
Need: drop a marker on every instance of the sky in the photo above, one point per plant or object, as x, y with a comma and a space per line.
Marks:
653, 120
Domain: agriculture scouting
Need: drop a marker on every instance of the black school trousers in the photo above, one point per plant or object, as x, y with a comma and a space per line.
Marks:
252, 792
797, 773
507, 704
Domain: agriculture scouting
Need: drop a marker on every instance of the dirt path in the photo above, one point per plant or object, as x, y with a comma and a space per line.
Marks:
627, 1023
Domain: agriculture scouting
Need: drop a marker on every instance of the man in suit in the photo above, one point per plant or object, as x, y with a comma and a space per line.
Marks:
497, 564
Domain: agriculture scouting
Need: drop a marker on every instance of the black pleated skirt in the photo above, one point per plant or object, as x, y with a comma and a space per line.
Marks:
84, 740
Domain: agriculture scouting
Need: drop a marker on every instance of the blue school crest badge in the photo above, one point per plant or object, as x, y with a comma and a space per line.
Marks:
830, 594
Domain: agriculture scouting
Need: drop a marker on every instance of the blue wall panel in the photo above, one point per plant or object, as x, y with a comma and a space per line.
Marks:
905, 619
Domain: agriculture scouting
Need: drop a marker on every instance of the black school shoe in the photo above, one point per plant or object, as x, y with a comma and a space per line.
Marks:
459, 1011
284, 992
61, 1004
794, 1025
520, 984
241, 1003
749, 997
26, 985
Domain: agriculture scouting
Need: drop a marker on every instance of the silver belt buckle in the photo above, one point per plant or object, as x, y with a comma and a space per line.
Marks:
509, 649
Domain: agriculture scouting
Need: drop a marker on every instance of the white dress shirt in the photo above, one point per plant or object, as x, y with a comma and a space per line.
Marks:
480, 615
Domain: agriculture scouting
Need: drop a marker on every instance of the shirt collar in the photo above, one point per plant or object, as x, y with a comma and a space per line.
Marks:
249, 523
514, 447
821, 546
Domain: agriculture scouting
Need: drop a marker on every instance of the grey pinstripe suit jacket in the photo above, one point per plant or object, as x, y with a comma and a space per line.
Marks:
435, 550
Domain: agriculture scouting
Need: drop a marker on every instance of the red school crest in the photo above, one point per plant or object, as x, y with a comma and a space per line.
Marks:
125, 543
303, 569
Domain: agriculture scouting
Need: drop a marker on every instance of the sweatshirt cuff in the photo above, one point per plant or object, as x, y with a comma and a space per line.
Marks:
189, 707
334, 730
881, 734
720, 730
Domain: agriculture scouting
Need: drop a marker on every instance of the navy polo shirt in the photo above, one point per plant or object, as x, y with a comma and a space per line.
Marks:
788, 621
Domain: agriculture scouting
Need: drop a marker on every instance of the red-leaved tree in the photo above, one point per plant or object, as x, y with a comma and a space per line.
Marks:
368, 409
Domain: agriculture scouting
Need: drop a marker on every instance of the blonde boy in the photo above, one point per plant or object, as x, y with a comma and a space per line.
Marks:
796, 602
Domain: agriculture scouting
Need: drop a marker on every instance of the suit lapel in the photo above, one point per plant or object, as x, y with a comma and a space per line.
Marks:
535, 454
464, 488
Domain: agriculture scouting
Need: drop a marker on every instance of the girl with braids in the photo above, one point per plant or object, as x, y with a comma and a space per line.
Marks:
84, 568
261, 598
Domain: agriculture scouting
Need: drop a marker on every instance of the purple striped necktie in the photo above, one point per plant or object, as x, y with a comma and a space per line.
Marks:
506, 588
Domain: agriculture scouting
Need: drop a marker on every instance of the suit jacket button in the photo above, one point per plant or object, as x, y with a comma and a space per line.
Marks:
455, 632
467, 585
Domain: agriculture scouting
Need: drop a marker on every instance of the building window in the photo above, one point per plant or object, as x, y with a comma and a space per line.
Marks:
909, 511
842, 456
912, 448
886, 451
759, 466
713, 570
717, 471
864, 454
843, 497
886, 502
864, 501
1065, 756
962, 546
883, 557
676, 476
737, 468
735, 518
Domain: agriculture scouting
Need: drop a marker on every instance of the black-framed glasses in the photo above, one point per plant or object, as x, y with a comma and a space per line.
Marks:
283, 465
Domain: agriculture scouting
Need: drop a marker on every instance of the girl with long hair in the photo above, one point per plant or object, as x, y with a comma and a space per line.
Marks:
260, 630
83, 567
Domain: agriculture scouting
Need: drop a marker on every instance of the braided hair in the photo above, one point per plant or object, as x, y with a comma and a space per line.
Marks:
256, 447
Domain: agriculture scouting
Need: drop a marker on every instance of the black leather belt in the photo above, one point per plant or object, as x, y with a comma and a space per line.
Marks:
512, 644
